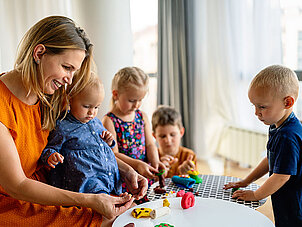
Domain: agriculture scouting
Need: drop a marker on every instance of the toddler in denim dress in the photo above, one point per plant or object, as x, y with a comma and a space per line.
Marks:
79, 148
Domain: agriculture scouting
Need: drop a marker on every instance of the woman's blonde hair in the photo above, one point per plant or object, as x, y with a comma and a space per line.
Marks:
129, 78
57, 34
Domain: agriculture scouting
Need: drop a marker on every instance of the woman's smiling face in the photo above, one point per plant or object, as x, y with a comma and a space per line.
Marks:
58, 69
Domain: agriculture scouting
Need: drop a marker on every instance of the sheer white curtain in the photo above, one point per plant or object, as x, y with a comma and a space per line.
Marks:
106, 22
234, 40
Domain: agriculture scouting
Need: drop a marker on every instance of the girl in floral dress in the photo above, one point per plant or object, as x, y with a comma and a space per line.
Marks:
129, 125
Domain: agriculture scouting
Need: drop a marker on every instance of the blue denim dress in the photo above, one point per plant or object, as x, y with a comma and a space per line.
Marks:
89, 163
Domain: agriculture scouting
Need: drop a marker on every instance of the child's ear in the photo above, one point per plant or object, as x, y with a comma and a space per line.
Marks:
289, 102
182, 131
114, 94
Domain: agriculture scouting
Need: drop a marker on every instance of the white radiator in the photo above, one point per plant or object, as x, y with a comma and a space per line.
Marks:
244, 146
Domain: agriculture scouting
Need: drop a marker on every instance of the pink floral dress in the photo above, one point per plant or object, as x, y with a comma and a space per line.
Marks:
130, 135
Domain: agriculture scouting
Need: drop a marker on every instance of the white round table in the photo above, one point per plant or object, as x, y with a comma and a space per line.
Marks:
206, 212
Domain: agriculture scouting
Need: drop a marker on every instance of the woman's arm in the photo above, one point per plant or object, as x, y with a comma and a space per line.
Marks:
17, 185
136, 183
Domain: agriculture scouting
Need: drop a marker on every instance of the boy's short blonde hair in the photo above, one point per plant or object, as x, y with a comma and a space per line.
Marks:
166, 115
279, 79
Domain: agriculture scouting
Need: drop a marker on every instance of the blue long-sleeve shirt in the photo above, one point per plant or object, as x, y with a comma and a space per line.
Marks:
89, 163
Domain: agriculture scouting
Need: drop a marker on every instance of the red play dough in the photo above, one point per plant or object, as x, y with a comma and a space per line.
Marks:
180, 193
188, 200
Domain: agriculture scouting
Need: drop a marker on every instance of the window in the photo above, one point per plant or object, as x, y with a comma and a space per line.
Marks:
144, 29
299, 50
292, 42
144, 21
291, 33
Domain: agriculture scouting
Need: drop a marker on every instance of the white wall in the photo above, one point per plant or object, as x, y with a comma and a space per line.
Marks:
107, 23
109, 28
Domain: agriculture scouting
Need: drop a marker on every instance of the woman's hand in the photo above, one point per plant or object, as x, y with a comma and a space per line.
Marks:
111, 206
136, 184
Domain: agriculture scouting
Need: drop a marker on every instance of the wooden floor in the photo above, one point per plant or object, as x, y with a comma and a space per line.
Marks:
220, 166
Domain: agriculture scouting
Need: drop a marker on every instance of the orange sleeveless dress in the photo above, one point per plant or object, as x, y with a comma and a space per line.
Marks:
24, 123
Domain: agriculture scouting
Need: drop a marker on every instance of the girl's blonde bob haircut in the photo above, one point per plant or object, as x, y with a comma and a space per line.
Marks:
57, 34
129, 78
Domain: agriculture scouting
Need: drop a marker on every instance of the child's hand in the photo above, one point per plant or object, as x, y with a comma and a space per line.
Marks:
54, 159
186, 165
162, 166
246, 195
107, 137
168, 161
146, 170
237, 184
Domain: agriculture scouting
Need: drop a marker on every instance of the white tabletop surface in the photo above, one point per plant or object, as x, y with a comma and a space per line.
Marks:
206, 212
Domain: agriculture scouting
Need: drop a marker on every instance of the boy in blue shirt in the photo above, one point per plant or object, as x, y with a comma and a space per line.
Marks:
273, 92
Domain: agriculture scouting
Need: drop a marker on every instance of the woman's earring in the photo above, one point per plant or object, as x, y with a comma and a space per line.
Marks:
38, 61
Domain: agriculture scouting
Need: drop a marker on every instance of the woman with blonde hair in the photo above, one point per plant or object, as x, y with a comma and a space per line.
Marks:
33, 96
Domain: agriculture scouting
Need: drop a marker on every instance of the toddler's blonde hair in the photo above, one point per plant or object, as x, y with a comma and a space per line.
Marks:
93, 81
280, 80
129, 78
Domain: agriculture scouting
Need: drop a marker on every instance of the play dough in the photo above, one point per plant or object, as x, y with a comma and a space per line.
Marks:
158, 212
188, 200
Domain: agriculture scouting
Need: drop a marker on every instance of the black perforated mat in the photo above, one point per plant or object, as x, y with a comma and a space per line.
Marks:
211, 187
